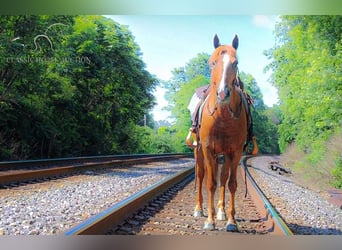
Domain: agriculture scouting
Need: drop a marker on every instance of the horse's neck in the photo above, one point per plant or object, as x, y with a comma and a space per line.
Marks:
235, 99
235, 95
234, 105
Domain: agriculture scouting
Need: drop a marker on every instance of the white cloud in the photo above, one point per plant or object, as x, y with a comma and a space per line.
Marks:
267, 22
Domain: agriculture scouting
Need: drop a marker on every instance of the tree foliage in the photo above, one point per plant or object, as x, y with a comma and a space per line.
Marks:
264, 128
69, 85
183, 75
307, 72
306, 66
181, 113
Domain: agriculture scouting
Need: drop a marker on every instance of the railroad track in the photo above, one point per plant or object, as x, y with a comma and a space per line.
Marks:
167, 206
22, 172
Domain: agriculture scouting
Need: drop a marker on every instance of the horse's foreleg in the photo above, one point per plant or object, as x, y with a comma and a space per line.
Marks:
232, 185
211, 171
223, 176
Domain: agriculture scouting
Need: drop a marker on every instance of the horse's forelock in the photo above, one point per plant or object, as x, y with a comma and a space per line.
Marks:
218, 51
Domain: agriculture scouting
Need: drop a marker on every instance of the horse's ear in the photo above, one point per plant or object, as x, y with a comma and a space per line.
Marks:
235, 42
216, 41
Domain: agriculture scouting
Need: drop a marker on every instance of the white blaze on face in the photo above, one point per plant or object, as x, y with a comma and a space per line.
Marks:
225, 60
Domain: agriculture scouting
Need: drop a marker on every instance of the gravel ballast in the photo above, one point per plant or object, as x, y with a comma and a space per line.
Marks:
55, 206
304, 210
52, 207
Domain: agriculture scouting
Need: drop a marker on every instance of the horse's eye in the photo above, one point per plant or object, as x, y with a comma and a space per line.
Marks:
213, 64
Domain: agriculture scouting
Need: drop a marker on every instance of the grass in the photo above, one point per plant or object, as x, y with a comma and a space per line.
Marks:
320, 169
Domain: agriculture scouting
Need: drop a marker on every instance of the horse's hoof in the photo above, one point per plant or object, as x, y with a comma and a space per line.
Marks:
198, 214
231, 228
209, 226
221, 215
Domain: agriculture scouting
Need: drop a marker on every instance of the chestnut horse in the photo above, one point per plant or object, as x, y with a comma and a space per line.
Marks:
221, 135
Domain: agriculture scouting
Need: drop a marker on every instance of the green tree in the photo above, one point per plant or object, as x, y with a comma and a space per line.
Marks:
182, 114
306, 63
197, 66
162, 141
113, 87
264, 128
70, 85
28, 43
306, 66
182, 75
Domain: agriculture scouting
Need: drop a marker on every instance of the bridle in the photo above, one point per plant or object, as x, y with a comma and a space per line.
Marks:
234, 85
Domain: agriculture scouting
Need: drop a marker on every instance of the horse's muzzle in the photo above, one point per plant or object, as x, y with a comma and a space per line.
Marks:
223, 95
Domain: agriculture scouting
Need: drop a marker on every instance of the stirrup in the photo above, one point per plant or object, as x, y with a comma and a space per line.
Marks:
255, 146
188, 139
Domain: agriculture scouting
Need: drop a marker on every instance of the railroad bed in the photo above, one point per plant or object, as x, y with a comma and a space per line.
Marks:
55, 205
52, 206
22, 172
171, 213
305, 211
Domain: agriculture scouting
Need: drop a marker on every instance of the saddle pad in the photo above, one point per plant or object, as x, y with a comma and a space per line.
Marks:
201, 91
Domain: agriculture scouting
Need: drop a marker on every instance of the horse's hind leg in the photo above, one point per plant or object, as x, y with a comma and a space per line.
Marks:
199, 171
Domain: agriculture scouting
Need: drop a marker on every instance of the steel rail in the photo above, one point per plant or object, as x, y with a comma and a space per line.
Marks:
70, 160
272, 219
99, 223
121, 210
22, 176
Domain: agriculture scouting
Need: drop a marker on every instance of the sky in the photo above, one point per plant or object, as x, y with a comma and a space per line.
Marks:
169, 42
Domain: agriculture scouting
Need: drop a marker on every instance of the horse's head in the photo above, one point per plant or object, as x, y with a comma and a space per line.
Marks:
223, 64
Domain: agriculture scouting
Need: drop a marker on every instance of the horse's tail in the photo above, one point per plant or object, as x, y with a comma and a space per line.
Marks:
247, 101
251, 138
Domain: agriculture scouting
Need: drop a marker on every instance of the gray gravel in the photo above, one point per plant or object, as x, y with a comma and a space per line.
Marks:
53, 207
305, 211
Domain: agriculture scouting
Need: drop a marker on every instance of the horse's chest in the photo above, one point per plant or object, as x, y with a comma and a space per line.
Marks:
227, 135
225, 138
226, 126
222, 133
